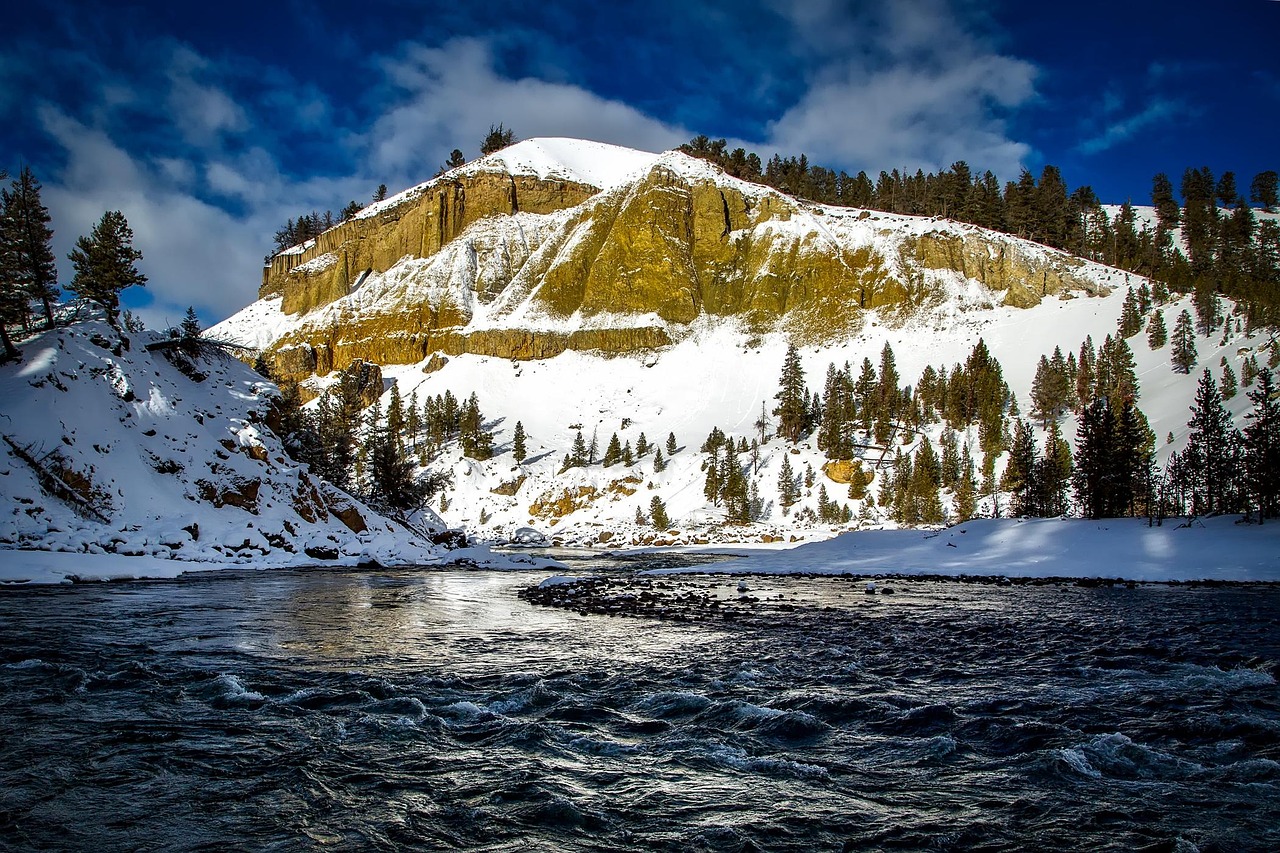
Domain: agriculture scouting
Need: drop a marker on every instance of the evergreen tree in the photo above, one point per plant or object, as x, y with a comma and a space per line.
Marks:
658, 513
792, 397
788, 493
1019, 471
593, 449
1052, 474
578, 457
1263, 190
659, 464
966, 493
1262, 447
518, 450
455, 161
628, 456
476, 441
1130, 317
1113, 461
642, 446
1183, 352
1228, 387
1167, 210
105, 263
1049, 391
1157, 334
497, 139
671, 444
393, 484
337, 417
380, 194
612, 453
1211, 455
26, 244
734, 488
713, 484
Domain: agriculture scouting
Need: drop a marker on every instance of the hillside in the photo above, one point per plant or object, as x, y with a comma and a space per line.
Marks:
662, 304
110, 448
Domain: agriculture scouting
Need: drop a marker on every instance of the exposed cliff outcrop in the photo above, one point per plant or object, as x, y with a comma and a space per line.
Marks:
417, 226
526, 266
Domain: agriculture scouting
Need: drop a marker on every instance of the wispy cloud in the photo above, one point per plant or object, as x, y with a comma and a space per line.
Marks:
904, 84
1123, 129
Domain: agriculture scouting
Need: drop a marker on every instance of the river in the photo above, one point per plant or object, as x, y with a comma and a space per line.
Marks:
428, 709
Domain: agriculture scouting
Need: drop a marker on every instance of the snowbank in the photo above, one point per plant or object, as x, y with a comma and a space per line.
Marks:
1212, 549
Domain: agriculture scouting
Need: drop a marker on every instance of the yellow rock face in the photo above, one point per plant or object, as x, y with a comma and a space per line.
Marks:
668, 245
417, 227
999, 264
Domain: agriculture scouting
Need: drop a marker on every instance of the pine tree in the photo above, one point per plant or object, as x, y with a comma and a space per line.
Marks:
1211, 451
1109, 461
393, 485
642, 446
26, 243
1157, 334
1183, 353
1167, 210
1262, 447
1228, 387
792, 397
518, 450
659, 464
1263, 190
1018, 478
966, 494
712, 485
1049, 391
593, 449
105, 263
628, 457
497, 139
658, 513
671, 444
1053, 474
476, 441
612, 453
455, 161
1130, 322
578, 457
788, 493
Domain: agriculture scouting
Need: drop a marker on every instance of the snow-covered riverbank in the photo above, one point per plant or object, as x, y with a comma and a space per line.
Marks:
1207, 549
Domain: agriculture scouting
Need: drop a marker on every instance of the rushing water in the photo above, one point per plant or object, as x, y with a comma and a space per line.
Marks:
437, 710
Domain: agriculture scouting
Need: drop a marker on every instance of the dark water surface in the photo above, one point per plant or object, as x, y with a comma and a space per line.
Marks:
436, 710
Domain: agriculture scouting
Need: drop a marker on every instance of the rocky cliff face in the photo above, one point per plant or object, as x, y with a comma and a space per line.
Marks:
525, 267
418, 226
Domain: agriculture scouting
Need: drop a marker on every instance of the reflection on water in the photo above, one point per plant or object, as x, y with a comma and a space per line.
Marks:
435, 709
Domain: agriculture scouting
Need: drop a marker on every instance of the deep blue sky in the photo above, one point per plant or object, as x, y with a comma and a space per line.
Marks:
210, 125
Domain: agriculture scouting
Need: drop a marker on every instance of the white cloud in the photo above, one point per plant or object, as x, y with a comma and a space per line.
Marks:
202, 112
907, 85
451, 95
1123, 129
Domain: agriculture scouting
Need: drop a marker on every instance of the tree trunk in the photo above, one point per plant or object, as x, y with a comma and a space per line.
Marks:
11, 353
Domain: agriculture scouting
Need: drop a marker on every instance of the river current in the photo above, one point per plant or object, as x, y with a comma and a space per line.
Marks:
427, 709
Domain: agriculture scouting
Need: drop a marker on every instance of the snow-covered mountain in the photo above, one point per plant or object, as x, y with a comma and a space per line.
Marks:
576, 286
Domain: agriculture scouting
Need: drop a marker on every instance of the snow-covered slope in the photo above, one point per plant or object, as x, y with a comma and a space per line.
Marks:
596, 164
108, 450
